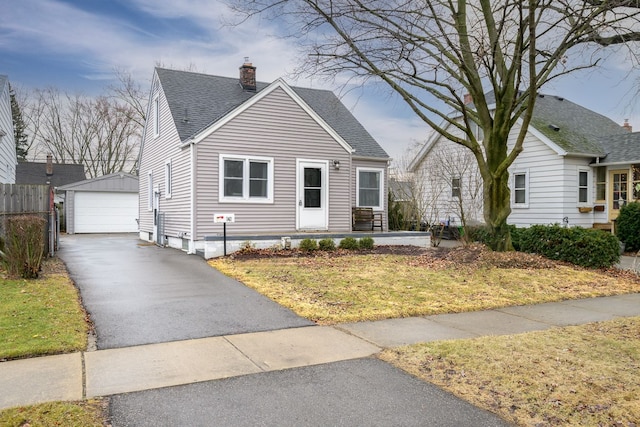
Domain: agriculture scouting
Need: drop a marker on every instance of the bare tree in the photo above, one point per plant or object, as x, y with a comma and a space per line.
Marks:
432, 53
131, 93
100, 133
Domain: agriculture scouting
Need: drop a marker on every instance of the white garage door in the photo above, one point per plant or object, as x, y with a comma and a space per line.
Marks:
102, 212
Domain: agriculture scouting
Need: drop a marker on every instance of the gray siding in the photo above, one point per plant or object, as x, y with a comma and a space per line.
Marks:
370, 164
274, 127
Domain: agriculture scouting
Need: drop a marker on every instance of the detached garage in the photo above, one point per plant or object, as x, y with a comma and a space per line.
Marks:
107, 204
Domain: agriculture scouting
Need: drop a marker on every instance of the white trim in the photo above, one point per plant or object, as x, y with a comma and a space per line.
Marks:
279, 83
245, 179
588, 171
325, 186
156, 115
168, 179
381, 189
527, 189
150, 190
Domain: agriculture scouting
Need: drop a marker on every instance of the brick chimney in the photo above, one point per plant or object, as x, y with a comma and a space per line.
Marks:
468, 99
627, 126
49, 168
248, 76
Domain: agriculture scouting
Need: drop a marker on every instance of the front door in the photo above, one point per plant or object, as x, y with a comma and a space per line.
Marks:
313, 200
619, 190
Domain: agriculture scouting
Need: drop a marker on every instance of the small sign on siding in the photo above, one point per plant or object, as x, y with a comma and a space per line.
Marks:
224, 217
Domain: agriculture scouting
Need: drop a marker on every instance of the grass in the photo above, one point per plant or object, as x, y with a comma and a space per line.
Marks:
41, 316
89, 413
583, 375
331, 290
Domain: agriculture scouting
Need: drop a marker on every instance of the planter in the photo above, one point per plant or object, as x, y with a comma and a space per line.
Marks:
598, 208
585, 209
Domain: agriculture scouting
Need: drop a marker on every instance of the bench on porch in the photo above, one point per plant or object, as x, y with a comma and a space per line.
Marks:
365, 219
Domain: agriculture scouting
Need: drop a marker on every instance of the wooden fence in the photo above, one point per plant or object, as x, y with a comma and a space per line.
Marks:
21, 199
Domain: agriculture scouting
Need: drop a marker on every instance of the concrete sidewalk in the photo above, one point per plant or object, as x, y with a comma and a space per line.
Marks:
114, 371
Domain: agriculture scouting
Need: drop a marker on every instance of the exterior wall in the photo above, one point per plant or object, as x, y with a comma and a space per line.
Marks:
7, 142
69, 210
275, 127
156, 151
370, 164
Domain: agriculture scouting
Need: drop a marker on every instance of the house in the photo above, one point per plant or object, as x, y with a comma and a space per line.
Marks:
49, 173
577, 168
106, 204
8, 157
272, 158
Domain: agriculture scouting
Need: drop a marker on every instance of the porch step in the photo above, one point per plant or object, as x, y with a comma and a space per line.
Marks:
607, 226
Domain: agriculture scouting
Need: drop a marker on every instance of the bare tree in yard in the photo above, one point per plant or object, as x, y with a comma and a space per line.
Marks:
432, 53
101, 133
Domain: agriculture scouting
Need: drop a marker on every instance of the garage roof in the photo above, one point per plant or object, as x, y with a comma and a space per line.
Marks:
115, 182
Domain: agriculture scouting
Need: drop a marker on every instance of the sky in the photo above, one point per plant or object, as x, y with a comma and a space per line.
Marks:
75, 45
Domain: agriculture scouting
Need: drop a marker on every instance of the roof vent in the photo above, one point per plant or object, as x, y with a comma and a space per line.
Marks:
554, 127
185, 118
559, 98
541, 95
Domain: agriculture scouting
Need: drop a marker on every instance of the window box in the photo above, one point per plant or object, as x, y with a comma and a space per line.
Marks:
585, 209
598, 208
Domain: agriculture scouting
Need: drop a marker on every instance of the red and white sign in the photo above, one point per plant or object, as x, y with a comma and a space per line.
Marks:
224, 217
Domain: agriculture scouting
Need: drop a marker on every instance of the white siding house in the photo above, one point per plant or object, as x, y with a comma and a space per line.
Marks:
282, 159
8, 158
577, 168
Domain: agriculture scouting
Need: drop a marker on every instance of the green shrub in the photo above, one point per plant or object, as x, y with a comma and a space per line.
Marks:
349, 243
327, 244
628, 226
308, 245
366, 243
24, 245
584, 247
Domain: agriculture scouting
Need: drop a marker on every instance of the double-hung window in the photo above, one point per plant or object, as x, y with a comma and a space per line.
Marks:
583, 186
455, 187
521, 189
370, 188
246, 179
601, 183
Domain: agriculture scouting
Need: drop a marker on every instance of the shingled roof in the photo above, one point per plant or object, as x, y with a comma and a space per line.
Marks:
621, 149
36, 173
197, 101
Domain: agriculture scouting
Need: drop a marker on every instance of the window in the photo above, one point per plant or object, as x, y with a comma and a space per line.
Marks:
455, 188
520, 193
168, 179
601, 183
150, 190
635, 174
583, 186
477, 131
370, 191
246, 179
156, 116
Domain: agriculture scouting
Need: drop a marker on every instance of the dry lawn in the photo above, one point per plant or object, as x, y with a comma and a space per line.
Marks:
332, 288
580, 376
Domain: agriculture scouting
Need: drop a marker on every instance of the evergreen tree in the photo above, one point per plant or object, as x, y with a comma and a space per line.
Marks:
19, 127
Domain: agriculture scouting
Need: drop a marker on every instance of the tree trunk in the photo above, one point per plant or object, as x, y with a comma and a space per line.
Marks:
497, 207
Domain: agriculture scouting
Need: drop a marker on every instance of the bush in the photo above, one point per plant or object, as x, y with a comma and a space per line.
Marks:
349, 243
308, 245
366, 243
584, 247
628, 226
480, 234
24, 245
327, 244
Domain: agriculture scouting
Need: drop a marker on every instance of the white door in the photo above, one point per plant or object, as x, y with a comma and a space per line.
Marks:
105, 212
313, 195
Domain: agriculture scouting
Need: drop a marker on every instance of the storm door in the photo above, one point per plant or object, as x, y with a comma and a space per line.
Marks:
312, 195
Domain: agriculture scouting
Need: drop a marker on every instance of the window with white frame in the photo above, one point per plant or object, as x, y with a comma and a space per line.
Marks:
583, 186
455, 187
150, 190
601, 183
246, 179
168, 179
156, 116
370, 188
520, 189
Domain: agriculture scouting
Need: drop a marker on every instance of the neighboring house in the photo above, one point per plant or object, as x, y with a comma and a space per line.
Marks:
8, 159
106, 204
577, 168
282, 159
59, 174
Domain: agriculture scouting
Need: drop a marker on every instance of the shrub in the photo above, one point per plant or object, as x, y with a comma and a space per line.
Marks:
584, 247
366, 243
308, 245
24, 245
480, 234
628, 226
349, 243
327, 244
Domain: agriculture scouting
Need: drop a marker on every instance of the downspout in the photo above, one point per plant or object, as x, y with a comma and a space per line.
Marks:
192, 213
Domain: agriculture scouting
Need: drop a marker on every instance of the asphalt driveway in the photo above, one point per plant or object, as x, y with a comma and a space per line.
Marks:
137, 293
